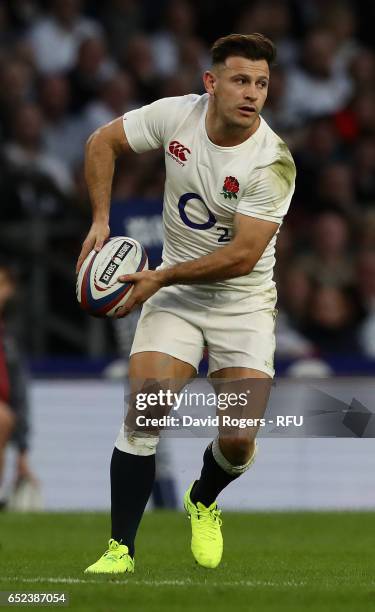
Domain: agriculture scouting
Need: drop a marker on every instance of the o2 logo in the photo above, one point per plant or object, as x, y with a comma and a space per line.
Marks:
211, 220
184, 199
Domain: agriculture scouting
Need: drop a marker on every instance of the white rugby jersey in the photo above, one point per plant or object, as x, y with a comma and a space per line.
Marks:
207, 184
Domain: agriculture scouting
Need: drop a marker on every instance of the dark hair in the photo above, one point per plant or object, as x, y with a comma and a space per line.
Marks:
252, 46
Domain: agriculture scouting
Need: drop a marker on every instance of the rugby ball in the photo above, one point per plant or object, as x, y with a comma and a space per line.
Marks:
98, 291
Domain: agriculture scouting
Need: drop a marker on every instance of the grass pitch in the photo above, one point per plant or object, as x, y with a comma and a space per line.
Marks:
272, 561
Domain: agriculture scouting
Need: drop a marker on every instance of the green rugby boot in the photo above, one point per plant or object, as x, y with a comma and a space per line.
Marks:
116, 560
206, 538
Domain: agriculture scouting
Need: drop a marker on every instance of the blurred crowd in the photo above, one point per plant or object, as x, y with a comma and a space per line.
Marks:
68, 66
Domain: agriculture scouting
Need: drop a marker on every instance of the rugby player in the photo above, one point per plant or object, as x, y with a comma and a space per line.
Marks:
229, 183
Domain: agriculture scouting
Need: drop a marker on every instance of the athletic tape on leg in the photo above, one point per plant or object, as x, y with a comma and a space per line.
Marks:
136, 443
234, 470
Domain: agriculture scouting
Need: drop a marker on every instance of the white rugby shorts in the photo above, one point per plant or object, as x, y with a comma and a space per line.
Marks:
237, 328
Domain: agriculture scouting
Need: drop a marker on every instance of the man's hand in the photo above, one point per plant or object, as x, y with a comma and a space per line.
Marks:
95, 239
146, 283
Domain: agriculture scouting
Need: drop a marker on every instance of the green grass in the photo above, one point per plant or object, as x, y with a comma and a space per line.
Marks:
272, 561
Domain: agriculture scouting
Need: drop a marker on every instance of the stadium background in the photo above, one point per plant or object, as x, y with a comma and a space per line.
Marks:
67, 67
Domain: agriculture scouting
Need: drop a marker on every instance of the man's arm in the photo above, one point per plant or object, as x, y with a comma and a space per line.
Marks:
102, 148
238, 258
251, 236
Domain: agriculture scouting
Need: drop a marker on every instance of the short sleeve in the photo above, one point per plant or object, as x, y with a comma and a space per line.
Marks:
146, 127
270, 191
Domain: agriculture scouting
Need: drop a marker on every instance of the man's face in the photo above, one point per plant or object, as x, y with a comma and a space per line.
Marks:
239, 87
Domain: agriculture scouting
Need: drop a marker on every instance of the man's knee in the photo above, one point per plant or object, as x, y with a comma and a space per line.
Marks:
136, 443
237, 449
7, 422
148, 403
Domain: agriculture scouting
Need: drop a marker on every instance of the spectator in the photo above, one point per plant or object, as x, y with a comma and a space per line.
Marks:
364, 170
336, 188
362, 70
364, 114
126, 179
176, 85
55, 38
178, 25
122, 20
329, 260
22, 13
366, 277
295, 292
285, 249
315, 87
93, 66
319, 149
140, 62
16, 88
30, 164
367, 230
290, 343
358, 118
332, 323
194, 61
14, 408
272, 18
116, 96
340, 20
366, 286
63, 133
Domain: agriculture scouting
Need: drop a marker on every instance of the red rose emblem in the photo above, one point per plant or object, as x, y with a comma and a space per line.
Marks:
231, 187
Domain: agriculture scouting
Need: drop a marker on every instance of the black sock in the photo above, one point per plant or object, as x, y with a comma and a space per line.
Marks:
212, 480
132, 478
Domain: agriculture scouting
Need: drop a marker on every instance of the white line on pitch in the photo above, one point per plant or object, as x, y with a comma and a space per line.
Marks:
235, 583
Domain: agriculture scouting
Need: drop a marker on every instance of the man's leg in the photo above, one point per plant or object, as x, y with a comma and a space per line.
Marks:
7, 421
164, 329
225, 459
233, 452
133, 459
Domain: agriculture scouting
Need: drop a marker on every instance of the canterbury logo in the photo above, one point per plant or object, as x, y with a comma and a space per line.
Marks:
178, 149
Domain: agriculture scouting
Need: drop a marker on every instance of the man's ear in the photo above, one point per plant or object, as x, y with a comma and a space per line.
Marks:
209, 81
